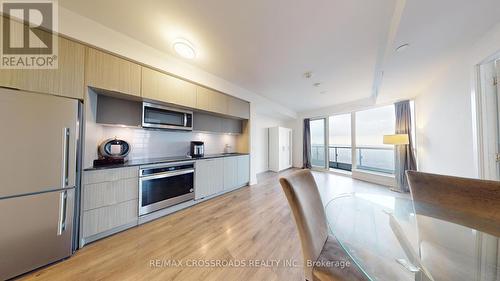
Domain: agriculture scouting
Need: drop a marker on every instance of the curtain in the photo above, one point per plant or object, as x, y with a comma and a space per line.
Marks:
404, 154
306, 151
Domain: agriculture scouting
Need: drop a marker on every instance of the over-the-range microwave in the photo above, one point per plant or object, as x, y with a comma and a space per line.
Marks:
162, 117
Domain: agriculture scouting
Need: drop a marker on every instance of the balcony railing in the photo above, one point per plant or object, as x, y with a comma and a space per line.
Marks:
376, 159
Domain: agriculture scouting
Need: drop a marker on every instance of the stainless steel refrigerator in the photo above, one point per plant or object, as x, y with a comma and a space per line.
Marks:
39, 155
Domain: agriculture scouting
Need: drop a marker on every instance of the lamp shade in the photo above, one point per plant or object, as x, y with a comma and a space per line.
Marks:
396, 139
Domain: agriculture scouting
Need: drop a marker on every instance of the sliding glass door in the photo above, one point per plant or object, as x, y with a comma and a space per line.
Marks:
339, 142
318, 143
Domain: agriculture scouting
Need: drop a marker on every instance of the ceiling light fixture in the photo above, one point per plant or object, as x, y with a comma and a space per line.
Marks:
184, 48
317, 84
402, 47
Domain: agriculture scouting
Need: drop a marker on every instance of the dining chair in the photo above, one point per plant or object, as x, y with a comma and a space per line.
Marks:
447, 209
473, 203
318, 247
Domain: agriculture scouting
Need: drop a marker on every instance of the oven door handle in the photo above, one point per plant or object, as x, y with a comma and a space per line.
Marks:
167, 174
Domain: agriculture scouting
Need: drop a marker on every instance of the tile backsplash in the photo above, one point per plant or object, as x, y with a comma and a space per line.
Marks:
153, 143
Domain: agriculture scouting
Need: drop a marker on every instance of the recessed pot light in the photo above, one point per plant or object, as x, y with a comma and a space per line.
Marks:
308, 74
184, 48
402, 48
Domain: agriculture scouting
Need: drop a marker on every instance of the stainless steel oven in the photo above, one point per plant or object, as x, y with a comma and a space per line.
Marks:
164, 185
163, 117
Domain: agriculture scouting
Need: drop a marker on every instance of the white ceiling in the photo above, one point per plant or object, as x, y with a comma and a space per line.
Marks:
438, 32
265, 46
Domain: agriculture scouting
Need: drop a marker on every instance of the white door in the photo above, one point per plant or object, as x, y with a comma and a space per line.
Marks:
282, 145
288, 148
489, 131
497, 82
285, 143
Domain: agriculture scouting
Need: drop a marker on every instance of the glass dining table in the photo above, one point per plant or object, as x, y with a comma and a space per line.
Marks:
393, 238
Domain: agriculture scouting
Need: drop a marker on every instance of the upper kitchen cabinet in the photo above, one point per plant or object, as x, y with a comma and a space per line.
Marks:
238, 108
203, 122
162, 87
108, 72
210, 100
66, 80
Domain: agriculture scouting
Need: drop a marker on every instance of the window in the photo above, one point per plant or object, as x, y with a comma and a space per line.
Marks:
339, 142
371, 126
318, 143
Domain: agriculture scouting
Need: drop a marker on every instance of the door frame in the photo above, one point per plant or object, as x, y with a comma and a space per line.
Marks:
482, 121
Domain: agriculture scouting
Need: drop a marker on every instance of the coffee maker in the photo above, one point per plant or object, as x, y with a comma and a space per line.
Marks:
197, 149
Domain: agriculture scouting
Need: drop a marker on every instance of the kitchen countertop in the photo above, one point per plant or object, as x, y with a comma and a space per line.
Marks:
147, 161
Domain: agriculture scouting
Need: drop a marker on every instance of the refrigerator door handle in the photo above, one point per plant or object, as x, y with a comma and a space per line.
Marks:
61, 226
66, 138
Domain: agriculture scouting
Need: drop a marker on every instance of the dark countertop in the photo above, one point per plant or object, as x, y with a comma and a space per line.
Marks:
147, 161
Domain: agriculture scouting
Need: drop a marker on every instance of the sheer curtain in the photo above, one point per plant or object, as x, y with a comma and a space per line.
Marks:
306, 151
404, 154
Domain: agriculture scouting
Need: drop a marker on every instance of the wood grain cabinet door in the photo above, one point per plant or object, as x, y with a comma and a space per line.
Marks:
210, 100
163, 87
108, 72
66, 80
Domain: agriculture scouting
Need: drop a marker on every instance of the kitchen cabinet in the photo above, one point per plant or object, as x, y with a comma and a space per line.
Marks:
107, 193
204, 122
163, 87
109, 220
280, 152
109, 72
243, 170
210, 100
209, 177
109, 202
232, 126
238, 108
230, 173
67, 80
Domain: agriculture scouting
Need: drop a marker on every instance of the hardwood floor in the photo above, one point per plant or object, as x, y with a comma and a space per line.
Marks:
252, 224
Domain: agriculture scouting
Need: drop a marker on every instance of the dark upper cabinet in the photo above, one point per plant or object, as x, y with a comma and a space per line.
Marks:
210, 123
116, 111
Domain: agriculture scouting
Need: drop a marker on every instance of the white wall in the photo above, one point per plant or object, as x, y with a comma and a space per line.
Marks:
444, 113
444, 124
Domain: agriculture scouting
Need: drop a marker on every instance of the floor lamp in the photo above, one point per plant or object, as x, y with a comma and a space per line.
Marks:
396, 140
